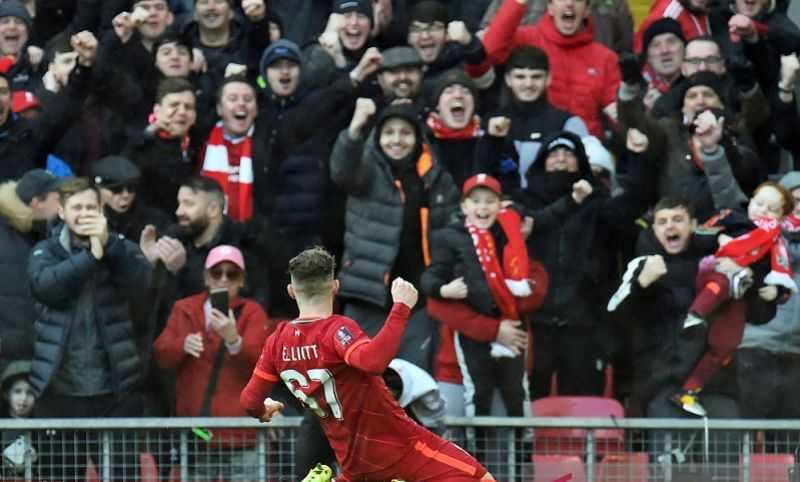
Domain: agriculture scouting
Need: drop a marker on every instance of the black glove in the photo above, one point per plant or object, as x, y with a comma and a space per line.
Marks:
741, 71
630, 68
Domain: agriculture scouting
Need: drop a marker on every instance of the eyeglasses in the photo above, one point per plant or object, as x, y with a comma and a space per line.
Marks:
418, 29
125, 186
710, 60
230, 274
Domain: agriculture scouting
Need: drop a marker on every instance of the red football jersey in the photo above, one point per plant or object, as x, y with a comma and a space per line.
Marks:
365, 426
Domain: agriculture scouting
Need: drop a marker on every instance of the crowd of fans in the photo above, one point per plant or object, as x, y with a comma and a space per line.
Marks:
548, 177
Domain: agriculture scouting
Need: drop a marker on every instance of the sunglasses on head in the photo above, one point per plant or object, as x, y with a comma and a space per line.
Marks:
217, 273
125, 186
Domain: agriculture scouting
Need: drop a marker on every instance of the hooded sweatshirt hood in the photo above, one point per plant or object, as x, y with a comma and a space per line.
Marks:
12, 210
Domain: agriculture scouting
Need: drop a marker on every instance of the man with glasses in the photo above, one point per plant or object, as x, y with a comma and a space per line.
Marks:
704, 54
441, 45
118, 180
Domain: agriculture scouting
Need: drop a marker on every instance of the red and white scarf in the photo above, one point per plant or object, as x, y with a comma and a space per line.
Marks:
791, 223
514, 272
236, 180
750, 247
441, 131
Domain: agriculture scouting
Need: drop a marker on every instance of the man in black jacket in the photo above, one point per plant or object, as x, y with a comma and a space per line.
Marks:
164, 151
290, 163
571, 338
25, 208
24, 144
533, 118
202, 225
85, 358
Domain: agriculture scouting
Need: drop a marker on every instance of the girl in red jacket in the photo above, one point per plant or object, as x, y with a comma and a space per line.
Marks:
199, 337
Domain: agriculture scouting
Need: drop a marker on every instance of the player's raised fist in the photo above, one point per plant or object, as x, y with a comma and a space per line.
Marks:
271, 407
404, 292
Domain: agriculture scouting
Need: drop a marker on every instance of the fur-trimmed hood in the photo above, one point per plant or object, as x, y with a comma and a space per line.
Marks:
12, 210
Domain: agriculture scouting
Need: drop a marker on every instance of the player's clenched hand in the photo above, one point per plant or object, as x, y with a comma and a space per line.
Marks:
404, 292
271, 407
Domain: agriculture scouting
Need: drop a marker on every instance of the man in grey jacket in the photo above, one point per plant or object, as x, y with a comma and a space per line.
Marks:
85, 360
768, 360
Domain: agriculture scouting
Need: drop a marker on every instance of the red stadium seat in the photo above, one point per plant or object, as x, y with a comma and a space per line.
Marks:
768, 467
547, 468
631, 467
148, 468
572, 441
91, 471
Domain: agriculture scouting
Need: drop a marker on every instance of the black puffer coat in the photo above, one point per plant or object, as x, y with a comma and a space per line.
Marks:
575, 252
375, 214
57, 277
17, 238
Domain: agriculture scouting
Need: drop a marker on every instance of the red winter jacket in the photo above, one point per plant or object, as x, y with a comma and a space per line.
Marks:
193, 373
459, 316
692, 25
585, 74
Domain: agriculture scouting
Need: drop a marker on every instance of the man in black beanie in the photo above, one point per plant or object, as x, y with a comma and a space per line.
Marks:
341, 45
15, 31
532, 116
663, 49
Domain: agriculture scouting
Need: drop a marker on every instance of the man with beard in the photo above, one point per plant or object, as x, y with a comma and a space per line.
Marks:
692, 15
202, 226
26, 206
400, 74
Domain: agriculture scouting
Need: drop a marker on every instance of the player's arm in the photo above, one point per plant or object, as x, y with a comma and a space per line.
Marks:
373, 356
253, 398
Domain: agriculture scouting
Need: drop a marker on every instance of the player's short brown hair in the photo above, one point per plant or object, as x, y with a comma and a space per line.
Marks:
312, 271
69, 188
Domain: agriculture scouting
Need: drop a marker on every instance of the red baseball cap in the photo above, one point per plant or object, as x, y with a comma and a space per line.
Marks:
22, 100
482, 180
225, 253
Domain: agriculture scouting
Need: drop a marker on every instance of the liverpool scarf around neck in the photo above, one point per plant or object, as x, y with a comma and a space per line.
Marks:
440, 130
752, 246
236, 180
508, 281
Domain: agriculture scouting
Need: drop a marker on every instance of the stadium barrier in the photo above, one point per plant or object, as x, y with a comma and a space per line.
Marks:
515, 449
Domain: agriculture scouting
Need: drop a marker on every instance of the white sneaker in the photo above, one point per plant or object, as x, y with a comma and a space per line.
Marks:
693, 320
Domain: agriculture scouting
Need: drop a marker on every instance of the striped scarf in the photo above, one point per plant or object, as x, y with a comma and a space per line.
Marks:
235, 178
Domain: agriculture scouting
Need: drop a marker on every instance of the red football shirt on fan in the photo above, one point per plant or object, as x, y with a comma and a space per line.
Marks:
365, 426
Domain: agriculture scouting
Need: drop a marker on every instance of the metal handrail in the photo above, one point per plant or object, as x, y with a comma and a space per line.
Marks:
292, 422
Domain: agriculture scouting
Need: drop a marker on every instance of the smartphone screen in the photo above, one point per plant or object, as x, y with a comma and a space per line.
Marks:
219, 300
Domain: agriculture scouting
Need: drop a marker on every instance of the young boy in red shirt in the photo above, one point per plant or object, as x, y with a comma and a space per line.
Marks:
335, 370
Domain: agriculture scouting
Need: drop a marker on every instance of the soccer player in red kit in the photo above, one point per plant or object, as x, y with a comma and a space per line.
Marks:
335, 370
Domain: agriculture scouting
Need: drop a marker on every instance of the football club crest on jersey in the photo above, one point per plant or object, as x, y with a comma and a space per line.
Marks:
343, 336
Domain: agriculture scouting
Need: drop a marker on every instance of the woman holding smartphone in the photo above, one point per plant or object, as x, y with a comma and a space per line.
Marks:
212, 340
